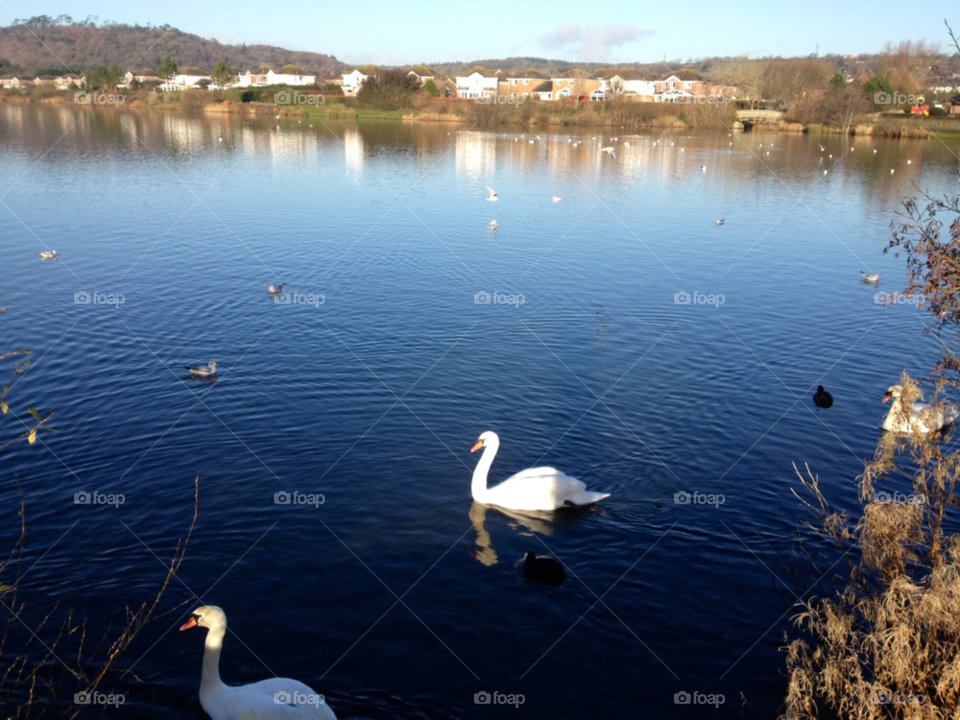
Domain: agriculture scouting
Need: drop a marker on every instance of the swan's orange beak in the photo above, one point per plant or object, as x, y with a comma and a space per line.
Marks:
477, 446
887, 396
191, 623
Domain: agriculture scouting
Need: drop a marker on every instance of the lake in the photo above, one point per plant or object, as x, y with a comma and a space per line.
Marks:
620, 335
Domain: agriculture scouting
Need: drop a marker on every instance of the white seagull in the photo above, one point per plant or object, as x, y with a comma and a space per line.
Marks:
703, 167
609, 151
870, 277
493, 225
275, 289
557, 199
720, 222
210, 369
822, 148
48, 254
493, 194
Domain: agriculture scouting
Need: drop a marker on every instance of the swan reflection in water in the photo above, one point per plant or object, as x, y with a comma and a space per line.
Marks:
530, 522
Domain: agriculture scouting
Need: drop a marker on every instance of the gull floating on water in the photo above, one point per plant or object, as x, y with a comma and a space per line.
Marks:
493, 194
822, 148
220, 139
909, 162
47, 254
874, 150
870, 277
493, 225
703, 168
210, 369
609, 151
892, 171
720, 222
557, 199
274, 289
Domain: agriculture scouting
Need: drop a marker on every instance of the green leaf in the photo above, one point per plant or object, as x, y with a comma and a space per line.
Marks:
4, 588
4, 407
26, 363
33, 411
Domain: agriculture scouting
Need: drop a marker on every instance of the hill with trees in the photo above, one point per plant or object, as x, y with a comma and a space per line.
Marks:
35, 44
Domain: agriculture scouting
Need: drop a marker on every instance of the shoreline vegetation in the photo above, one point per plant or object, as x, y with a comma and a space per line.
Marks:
615, 113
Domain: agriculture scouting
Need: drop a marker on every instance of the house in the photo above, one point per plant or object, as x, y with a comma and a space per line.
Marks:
479, 83
65, 81
263, 76
422, 73
625, 82
8, 82
684, 84
354, 79
45, 79
574, 83
953, 104
543, 91
187, 78
141, 76
521, 84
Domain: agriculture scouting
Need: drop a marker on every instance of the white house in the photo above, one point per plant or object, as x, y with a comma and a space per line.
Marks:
267, 76
353, 80
422, 73
186, 78
479, 83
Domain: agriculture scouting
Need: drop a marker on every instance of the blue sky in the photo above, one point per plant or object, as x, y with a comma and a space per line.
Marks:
407, 31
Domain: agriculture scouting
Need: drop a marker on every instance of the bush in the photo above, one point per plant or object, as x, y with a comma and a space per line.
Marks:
388, 90
43, 91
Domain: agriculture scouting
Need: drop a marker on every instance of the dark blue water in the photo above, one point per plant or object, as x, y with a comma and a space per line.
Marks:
374, 396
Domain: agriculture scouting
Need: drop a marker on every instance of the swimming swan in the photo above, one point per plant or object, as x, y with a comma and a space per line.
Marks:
542, 488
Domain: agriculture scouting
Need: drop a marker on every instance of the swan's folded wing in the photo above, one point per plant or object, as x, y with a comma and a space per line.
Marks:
563, 482
265, 699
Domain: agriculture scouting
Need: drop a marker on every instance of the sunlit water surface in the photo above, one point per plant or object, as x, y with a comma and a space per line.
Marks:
374, 396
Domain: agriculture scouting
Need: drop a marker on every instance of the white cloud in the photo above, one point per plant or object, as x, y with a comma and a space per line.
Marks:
591, 42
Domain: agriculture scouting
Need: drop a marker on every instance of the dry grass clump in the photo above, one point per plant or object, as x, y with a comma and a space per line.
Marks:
886, 643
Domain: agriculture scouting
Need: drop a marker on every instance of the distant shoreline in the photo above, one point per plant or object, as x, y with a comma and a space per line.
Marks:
461, 112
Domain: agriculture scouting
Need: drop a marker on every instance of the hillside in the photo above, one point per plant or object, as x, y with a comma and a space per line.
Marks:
38, 42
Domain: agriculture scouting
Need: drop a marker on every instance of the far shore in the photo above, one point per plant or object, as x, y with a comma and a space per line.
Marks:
632, 115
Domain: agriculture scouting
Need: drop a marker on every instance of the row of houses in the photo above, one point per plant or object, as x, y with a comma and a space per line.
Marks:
480, 83
61, 82
189, 77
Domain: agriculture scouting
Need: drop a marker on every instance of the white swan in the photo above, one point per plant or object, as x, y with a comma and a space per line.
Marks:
922, 419
542, 488
273, 699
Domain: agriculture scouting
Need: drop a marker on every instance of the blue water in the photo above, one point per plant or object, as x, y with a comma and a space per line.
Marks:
374, 396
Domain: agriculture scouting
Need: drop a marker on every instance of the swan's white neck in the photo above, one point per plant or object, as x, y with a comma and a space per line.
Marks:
210, 682
479, 485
